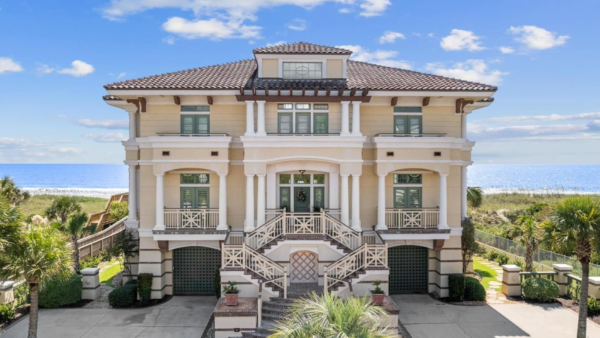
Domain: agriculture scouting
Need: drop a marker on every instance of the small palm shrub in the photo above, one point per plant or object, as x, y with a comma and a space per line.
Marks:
144, 283
502, 259
492, 255
125, 296
7, 312
118, 211
540, 289
593, 306
474, 291
90, 262
456, 286
57, 292
21, 293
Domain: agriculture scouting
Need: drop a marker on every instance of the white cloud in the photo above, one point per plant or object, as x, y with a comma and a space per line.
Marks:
460, 39
374, 7
60, 116
121, 75
551, 117
380, 57
68, 150
43, 69
107, 137
7, 142
390, 37
105, 124
78, 69
506, 50
297, 25
214, 29
23, 151
169, 40
345, 10
430, 35
538, 38
484, 132
470, 70
278, 43
8, 65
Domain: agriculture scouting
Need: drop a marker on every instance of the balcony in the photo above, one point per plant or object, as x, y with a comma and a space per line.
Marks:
189, 219
413, 135
191, 135
417, 218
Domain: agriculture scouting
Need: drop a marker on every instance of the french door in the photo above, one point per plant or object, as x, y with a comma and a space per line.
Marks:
407, 197
195, 198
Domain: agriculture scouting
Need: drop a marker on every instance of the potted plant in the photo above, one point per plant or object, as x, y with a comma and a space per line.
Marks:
377, 294
231, 294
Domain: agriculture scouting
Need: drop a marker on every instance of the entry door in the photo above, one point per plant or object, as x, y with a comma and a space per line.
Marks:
407, 198
301, 199
194, 198
408, 269
304, 267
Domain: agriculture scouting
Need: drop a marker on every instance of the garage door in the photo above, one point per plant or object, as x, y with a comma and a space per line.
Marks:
194, 270
408, 269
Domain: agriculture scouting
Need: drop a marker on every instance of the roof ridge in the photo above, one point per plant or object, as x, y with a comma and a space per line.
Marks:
333, 49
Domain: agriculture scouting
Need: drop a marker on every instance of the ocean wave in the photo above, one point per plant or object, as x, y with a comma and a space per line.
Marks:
86, 192
545, 191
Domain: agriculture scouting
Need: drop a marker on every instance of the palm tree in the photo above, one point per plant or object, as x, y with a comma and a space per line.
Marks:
329, 316
13, 194
474, 196
62, 207
74, 227
41, 253
530, 234
575, 227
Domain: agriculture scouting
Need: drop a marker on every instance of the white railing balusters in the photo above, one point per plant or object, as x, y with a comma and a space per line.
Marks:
418, 218
367, 256
191, 218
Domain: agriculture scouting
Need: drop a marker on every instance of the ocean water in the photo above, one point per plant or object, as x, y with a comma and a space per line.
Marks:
105, 180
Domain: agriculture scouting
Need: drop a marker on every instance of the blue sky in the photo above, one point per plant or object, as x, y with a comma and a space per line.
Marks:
54, 60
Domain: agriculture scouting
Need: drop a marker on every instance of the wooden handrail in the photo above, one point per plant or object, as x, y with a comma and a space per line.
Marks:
103, 217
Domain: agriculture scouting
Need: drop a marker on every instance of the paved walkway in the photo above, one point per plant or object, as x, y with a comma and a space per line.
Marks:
494, 291
425, 317
181, 317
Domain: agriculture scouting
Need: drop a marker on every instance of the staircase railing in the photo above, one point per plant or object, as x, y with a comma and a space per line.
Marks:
103, 217
365, 257
267, 232
339, 231
243, 257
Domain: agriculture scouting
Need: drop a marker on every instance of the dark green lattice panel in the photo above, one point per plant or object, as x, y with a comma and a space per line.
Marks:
194, 270
408, 269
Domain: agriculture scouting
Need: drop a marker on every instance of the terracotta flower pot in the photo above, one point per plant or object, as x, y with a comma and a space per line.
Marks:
378, 298
231, 299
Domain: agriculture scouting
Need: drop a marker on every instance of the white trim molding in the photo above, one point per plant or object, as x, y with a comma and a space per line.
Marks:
183, 142
303, 141
423, 142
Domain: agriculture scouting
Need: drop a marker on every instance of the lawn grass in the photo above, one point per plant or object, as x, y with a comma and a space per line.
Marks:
39, 203
487, 274
107, 275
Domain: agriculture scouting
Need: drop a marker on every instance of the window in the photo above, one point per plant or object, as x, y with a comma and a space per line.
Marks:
285, 123
301, 179
194, 178
303, 123
408, 179
302, 118
302, 106
312, 186
407, 124
195, 124
408, 191
302, 70
285, 179
408, 110
285, 106
321, 123
195, 108
319, 179
321, 106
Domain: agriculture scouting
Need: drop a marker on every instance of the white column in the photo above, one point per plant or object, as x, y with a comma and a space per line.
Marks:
222, 203
345, 118
132, 131
249, 203
356, 118
344, 206
272, 190
464, 126
260, 128
132, 220
356, 203
160, 204
334, 191
463, 191
249, 118
443, 202
381, 204
260, 203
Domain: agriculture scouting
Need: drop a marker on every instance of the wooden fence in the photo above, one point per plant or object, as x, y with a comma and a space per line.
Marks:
103, 218
92, 245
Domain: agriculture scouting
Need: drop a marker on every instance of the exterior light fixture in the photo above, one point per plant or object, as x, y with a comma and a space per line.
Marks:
302, 172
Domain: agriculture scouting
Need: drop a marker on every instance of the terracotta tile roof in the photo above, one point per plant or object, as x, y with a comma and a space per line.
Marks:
111, 98
271, 83
301, 48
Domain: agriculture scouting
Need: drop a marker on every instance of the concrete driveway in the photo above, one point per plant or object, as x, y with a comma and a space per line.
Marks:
181, 317
424, 317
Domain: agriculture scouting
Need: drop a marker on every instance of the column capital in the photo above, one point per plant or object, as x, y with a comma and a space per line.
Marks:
356, 102
260, 101
132, 166
345, 175
250, 101
345, 102
160, 175
222, 175
356, 175
261, 175
443, 175
382, 175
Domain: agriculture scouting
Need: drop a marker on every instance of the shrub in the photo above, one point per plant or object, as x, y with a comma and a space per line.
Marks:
125, 296
481, 251
21, 293
56, 292
131, 282
90, 262
118, 211
144, 284
218, 282
474, 291
502, 259
540, 289
7, 312
593, 306
456, 283
518, 262
492, 255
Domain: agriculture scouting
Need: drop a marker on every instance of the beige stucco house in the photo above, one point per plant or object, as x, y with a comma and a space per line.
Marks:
298, 166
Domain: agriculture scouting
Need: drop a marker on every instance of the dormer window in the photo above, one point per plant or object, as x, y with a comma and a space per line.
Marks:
302, 70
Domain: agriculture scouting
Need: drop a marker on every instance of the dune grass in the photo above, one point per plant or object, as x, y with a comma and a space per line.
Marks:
39, 203
495, 202
487, 274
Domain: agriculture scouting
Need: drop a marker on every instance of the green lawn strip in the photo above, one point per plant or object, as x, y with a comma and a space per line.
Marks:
39, 203
110, 271
487, 274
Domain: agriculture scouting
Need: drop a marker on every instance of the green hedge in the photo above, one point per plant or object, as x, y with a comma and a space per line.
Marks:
456, 283
540, 289
56, 293
7, 312
131, 282
144, 284
125, 296
474, 291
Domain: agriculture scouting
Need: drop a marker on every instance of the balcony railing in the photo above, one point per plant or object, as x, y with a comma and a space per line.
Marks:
412, 135
303, 134
192, 135
417, 218
176, 219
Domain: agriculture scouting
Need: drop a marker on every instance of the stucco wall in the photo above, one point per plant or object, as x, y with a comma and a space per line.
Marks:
335, 69
270, 68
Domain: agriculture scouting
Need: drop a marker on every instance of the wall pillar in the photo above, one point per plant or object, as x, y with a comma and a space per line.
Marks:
91, 283
260, 128
561, 277
356, 203
160, 204
464, 126
272, 190
249, 226
334, 190
443, 202
249, 118
463, 192
260, 203
381, 204
132, 220
345, 207
132, 129
345, 119
356, 118
7, 295
222, 203
511, 280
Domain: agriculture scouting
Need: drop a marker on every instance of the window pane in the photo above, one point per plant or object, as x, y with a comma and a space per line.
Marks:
203, 178
284, 198
319, 179
302, 123
415, 125
188, 178
408, 110
414, 198
321, 123
187, 198
195, 108
399, 198
319, 198
302, 70
399, 125
320, 106
285, 179
284, 106
202, 198
285, 123
303, 106
187, 124
202, 124
301, 179
407, 179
